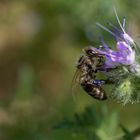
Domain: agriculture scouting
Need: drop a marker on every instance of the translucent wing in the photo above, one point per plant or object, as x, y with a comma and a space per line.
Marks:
75, 82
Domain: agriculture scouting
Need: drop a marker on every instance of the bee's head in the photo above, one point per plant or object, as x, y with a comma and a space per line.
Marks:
90, 51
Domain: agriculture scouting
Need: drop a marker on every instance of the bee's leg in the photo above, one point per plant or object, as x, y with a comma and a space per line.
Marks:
99, 82
102, 82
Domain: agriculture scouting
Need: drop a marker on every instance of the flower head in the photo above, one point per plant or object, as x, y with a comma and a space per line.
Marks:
124, 60
125, 54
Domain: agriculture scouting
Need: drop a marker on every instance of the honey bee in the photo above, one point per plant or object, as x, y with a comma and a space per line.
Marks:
87, 67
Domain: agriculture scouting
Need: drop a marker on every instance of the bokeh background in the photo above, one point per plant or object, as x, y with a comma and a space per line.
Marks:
40, 41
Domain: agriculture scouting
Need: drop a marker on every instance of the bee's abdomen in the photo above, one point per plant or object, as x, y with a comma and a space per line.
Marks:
95, 91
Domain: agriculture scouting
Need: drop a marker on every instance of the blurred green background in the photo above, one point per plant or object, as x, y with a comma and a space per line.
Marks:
40, 41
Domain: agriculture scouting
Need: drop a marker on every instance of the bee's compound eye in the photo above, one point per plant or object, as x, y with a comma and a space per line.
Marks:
88, 51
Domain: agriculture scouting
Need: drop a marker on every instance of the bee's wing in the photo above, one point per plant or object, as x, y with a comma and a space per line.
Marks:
75, 82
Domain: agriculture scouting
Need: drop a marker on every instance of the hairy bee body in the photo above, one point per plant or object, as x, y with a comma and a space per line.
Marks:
88, 65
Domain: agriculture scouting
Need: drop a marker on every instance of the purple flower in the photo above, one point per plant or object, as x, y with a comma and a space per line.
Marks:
122, 65
125, 53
